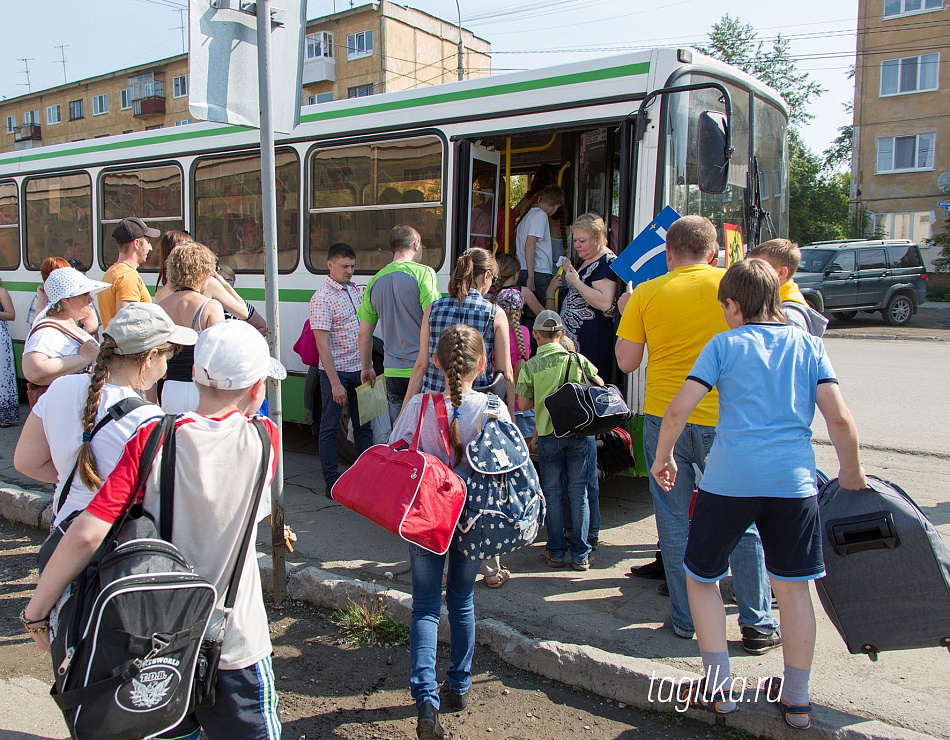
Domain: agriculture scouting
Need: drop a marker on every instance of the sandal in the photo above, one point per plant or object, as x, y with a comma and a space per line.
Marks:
499, 579
773, 693
694, 695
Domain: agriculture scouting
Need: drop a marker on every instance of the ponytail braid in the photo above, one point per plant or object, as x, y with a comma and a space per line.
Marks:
458, 351
88, 470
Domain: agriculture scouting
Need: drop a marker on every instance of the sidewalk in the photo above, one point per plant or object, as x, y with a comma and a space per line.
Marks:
602, 629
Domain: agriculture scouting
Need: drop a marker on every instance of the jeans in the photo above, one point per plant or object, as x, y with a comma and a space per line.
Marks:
565, 472
330, 424
750, 580
593, 499
524, 420
396, 393
424, 629
541, 282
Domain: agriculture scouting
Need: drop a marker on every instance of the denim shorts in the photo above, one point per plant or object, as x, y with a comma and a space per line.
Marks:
789, 528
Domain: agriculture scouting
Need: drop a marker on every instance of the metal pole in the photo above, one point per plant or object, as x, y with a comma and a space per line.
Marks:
269, 212
461, 51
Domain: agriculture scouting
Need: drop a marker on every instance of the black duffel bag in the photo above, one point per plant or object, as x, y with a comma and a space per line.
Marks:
582, 410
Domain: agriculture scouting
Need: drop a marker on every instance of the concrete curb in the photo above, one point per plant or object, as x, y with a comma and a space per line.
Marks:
848, 335
632, 681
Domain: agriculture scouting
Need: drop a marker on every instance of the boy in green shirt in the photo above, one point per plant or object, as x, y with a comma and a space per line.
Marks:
565, 460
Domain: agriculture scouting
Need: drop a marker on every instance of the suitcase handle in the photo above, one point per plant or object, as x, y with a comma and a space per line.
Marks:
874, 531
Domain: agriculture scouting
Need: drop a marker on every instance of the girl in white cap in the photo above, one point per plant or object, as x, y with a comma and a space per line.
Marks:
56, 345
61, 443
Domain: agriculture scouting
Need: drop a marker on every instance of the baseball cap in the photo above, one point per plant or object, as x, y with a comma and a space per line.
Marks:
548, 320
67, 282
511, 297
130, 229
140, 327
233, 355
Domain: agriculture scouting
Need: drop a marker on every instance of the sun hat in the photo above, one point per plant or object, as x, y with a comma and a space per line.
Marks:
140, 327
548, 320
233, 354
130, 229
66, 282
511, 297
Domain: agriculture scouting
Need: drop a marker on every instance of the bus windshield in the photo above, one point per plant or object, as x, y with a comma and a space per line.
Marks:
759, 136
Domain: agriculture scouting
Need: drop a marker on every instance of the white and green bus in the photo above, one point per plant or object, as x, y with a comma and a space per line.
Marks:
624, 142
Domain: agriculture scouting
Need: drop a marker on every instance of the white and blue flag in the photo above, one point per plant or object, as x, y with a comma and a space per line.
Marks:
645, 257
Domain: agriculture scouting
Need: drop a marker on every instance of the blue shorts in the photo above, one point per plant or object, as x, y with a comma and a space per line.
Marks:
245, 707
789, 528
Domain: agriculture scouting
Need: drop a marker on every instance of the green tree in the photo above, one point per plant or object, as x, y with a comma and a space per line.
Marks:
942, 240
818, 199
738, 44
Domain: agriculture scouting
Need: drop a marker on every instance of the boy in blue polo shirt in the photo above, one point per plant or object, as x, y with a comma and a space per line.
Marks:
761, 469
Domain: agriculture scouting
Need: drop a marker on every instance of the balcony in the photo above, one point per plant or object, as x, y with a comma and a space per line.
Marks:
147, 99
319, 69
28, 132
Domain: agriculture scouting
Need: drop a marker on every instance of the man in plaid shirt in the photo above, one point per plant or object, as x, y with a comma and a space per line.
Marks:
335, 328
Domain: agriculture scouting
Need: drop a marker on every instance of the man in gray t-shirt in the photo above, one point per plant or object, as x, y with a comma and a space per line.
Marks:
395, 299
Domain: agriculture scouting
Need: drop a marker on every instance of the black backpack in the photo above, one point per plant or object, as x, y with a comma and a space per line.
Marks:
126, 635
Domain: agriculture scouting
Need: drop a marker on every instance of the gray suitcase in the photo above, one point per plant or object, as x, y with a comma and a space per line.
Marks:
888, 572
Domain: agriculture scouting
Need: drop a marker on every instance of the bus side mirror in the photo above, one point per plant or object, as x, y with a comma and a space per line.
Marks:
713, 157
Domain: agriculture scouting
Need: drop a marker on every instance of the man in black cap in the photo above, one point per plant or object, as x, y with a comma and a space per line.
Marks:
132, 235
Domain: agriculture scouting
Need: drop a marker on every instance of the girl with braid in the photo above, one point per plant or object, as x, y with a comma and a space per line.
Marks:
62, 441
460, 358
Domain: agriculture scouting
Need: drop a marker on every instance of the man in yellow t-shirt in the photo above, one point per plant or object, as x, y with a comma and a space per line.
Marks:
132, 235
675, 315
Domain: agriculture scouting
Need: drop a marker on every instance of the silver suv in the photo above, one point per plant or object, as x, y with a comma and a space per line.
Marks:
843, 277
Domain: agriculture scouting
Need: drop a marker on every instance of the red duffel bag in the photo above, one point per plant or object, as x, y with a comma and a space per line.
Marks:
410, 493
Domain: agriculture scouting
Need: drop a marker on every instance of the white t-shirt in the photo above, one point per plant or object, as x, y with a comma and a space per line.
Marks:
52, 342
61, 409
216, 464
535, 223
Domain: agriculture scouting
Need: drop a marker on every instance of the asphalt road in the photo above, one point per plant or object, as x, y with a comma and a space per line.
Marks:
898, 392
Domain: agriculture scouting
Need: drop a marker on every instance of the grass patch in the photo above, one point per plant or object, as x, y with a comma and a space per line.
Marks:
938, 293
368, 619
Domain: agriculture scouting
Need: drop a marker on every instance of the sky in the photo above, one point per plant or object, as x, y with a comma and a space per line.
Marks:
107, 35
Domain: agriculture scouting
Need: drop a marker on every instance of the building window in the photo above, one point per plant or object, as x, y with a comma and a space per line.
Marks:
11, 124
156, 126
180, 86
100, 104
31, 118
53, 114
326, 97
185, 122
360, 91
359, 45
915, 226
75, 110
311, 100
910, 74
320, 45
895, 8
905, 153
125, 100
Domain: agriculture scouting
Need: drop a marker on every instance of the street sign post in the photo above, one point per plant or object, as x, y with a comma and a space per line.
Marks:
234, 46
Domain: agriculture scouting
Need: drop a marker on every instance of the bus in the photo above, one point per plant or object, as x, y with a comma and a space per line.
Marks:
628, 135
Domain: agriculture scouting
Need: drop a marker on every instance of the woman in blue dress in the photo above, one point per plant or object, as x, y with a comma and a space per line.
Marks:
9, 400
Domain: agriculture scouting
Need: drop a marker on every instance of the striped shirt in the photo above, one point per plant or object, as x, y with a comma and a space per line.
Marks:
477, 313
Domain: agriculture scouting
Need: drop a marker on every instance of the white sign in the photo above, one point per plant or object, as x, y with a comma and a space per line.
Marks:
223, 62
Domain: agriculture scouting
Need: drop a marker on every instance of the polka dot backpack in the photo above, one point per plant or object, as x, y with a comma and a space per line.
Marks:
504, 507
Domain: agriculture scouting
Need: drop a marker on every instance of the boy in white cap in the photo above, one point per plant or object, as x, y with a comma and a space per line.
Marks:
218, 453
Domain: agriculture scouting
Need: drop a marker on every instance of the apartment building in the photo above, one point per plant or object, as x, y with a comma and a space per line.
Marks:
902, 116
371, 48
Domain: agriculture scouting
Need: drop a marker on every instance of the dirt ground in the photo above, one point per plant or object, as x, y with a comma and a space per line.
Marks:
927, 323
332, 688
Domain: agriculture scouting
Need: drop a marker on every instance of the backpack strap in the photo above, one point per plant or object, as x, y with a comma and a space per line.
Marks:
115, 412
231, 592
166, 481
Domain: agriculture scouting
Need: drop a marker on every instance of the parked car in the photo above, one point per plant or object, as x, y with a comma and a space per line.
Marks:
844, 277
